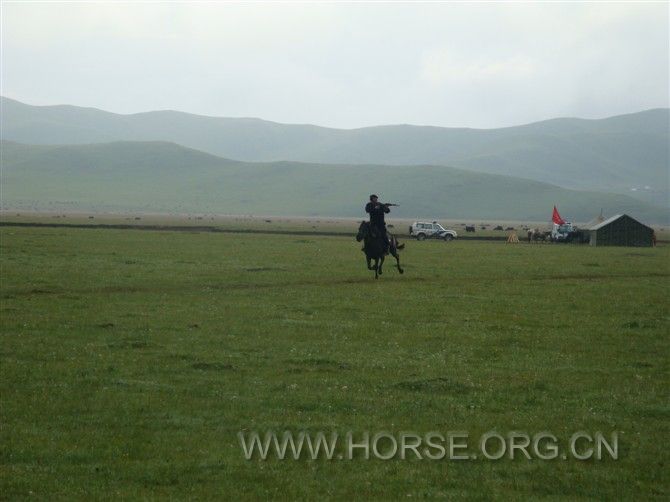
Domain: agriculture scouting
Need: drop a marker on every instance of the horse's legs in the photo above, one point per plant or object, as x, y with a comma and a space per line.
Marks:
369, 260
377, 268
397, 260
381, 262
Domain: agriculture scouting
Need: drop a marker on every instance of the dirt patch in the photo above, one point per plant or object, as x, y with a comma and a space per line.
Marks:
440, 384
212, 366
309, 365
129, 344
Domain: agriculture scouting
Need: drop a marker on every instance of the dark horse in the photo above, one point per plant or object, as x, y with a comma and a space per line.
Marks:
374, 248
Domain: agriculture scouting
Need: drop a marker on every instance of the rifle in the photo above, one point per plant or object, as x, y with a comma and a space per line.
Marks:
389, 204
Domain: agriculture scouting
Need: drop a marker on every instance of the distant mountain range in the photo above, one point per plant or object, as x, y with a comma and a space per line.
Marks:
626, 154
166, 177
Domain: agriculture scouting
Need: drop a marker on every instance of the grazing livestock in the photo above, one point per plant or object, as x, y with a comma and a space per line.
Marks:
535, 235
470, 228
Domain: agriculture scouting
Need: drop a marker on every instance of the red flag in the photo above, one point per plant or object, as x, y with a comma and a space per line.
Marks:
556, 218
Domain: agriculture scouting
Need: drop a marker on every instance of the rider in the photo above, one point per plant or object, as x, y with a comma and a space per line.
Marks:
377, 210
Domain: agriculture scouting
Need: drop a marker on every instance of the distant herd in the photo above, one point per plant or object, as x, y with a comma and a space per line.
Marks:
534, 234
471, 228
538, 235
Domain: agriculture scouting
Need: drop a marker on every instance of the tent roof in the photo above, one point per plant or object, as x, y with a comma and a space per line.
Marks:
606, 222
614, 218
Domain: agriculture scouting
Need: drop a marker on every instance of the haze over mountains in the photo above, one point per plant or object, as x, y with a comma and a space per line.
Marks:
165, 177
617, 154
609, 155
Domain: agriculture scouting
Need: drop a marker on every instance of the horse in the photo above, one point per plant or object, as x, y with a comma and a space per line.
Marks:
374, 248
536, 234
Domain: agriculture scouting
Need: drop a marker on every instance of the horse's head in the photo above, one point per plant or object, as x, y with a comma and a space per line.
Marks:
363, 230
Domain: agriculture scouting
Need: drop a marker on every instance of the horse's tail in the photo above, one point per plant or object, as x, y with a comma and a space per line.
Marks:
395, 244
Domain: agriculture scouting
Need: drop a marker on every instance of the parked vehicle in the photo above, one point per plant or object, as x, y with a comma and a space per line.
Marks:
567, 232
561, 233
422, 230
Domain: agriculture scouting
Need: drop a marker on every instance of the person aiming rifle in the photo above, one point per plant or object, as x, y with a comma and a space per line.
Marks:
377, 210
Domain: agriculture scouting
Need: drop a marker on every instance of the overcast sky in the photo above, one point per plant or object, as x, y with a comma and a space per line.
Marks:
342, 64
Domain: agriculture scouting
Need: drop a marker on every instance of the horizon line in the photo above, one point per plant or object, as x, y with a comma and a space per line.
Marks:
3, 97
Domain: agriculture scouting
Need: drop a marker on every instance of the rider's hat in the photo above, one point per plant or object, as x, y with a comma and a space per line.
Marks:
373, 196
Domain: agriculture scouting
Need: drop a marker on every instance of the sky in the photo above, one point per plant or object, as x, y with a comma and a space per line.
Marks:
339, 64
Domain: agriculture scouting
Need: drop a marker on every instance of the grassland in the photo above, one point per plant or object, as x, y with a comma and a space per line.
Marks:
131, 359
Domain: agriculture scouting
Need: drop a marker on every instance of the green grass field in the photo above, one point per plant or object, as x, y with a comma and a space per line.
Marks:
132, 359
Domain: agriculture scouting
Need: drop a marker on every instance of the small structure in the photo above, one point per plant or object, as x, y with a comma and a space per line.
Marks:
513, 238
598, 219
621, 230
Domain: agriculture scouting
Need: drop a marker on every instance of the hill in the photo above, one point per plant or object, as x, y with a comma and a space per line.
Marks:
165, 177
622, 154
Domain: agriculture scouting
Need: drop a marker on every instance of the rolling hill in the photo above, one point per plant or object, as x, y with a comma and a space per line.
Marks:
165, 177
625, 154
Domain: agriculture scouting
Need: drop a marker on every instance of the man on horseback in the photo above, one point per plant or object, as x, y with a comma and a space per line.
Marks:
377, 210
377, 243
